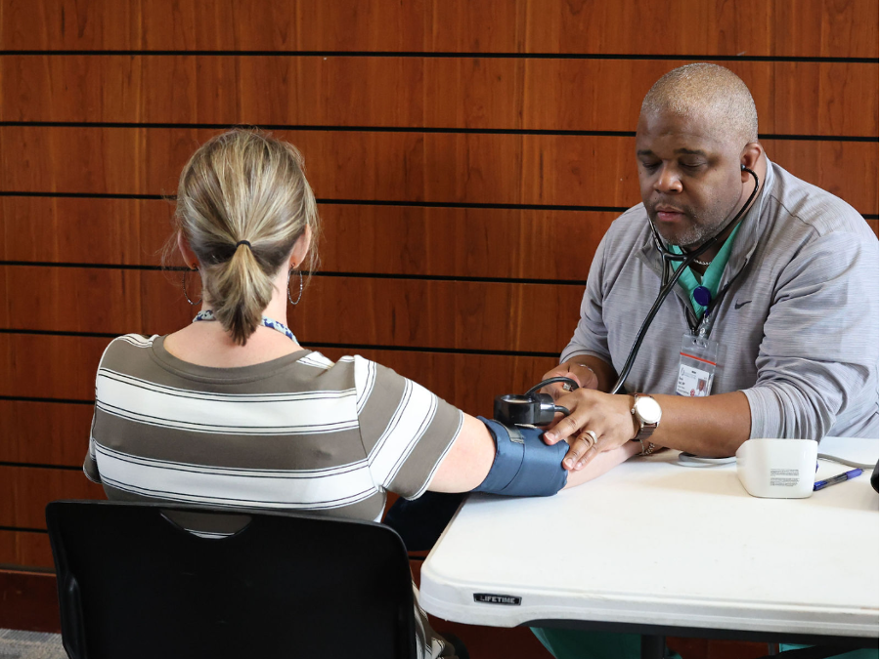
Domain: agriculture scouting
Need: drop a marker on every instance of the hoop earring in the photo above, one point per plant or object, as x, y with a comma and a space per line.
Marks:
298, 297
185, 294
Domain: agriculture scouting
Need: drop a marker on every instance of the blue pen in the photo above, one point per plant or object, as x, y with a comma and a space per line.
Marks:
837, 479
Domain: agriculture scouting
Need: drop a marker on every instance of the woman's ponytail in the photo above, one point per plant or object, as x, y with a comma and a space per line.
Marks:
239, 290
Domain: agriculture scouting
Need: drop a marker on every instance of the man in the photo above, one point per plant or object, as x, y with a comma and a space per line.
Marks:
789, 346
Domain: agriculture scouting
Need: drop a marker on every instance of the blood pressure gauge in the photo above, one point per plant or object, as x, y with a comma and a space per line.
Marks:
530, 408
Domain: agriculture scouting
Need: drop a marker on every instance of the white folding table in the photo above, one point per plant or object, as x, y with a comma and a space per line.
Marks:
660, 549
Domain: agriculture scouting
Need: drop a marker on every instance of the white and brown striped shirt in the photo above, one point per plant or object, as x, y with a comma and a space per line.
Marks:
295, 433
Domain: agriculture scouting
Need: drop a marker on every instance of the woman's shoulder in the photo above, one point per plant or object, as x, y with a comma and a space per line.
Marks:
128, 357
127, 344
359, 372
134, 340
376, 386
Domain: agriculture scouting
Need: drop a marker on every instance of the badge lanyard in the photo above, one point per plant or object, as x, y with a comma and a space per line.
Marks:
698, 357
699, 353
208, 314
697, 363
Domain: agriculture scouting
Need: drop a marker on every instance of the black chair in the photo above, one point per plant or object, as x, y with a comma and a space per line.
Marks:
132, 583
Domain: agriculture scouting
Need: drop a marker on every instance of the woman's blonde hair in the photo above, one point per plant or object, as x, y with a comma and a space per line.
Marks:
244, 185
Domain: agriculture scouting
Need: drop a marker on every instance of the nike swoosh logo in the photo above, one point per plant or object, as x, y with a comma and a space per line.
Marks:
741, 304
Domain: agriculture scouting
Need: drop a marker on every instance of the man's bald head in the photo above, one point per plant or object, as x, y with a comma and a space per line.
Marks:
708, 92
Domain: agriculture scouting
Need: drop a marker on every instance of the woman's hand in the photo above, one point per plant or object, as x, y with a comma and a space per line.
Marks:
598, 422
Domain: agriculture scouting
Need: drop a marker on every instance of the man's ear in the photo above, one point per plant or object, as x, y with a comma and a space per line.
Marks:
301, 248
749, 159
189, 256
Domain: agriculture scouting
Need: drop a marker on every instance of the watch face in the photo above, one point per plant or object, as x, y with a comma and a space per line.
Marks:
648, 409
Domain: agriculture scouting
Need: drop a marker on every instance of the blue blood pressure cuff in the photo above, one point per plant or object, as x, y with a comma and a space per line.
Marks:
524, 465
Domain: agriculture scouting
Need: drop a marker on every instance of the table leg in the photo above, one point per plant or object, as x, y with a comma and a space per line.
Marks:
653, 647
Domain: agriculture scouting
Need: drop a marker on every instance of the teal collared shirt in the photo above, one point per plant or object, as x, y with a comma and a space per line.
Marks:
711, 278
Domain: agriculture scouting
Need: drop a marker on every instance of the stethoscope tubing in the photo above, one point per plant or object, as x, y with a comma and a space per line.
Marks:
667, 286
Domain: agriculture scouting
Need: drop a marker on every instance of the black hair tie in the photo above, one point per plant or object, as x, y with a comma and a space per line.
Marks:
243, 242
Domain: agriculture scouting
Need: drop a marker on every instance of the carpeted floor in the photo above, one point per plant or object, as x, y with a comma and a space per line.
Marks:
30, 645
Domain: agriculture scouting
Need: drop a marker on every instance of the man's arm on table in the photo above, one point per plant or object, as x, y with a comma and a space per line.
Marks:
817, 358
710, 426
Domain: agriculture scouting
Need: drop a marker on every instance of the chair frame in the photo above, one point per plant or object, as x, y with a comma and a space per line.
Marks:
254, 592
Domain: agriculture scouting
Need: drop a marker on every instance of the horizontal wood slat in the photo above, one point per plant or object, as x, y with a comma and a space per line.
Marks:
28, 599
794, 28
63, 367
485, 316
49, 366
398, 240
24, 549
44, 433
555, 95
443, 168
830, 28
25, 491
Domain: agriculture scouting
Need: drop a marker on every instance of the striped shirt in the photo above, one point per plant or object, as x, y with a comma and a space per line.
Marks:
294, 433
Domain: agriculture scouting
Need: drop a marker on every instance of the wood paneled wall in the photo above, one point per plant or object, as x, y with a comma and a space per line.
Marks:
468, 157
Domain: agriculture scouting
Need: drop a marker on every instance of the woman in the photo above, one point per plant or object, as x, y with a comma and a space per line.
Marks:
193, 416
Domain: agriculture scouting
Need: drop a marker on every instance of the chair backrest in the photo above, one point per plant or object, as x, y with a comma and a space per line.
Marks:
133, 583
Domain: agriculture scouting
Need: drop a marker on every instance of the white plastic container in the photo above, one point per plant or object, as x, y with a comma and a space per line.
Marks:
777, 468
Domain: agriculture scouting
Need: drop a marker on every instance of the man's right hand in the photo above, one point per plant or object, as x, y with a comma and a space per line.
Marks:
577, 371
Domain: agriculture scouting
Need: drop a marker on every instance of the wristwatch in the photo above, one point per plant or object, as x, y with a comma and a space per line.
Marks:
646, 414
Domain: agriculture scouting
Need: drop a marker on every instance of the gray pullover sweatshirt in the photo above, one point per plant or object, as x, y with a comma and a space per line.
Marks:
797, 320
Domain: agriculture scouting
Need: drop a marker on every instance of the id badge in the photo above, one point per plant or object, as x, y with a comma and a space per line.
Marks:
696, 369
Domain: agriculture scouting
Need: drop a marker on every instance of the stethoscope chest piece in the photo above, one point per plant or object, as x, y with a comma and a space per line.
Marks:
702, 296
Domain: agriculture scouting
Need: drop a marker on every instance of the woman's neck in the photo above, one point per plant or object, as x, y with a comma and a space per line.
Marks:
207, 344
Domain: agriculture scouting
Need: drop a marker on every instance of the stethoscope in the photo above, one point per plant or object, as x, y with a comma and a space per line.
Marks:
667, 284
535, 409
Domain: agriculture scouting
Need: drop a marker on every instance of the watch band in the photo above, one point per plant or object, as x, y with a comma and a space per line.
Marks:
646, 450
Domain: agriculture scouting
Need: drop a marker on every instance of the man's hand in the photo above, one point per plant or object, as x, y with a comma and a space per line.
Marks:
579, 372
598, 422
